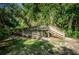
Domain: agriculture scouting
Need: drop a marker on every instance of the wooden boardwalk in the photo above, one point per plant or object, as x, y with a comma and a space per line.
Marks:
46, 31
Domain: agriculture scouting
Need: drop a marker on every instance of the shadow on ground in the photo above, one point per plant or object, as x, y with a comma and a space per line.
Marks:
33, 47
28, 47
67, 51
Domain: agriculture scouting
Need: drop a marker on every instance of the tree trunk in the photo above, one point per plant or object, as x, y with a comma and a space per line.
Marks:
70, 23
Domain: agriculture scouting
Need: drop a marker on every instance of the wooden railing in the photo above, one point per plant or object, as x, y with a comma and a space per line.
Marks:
41, 29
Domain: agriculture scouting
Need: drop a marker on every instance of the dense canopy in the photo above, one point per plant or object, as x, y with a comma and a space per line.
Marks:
15, 17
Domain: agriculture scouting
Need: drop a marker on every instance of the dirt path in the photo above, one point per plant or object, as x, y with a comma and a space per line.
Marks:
68, 46
72, 44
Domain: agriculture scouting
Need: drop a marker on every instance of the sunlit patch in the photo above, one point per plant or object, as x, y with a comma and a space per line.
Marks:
29, 42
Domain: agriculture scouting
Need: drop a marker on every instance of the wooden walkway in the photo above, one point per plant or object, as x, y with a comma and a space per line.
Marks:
45, 31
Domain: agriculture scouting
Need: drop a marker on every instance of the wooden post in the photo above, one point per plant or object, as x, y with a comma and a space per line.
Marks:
48, 34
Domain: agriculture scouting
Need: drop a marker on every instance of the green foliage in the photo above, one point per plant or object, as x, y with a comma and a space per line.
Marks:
4, 32
63, 15
66, 17
8, 20
29, 47
20, 46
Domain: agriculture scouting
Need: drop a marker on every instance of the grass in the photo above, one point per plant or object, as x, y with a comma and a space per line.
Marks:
21, 46
29, 42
